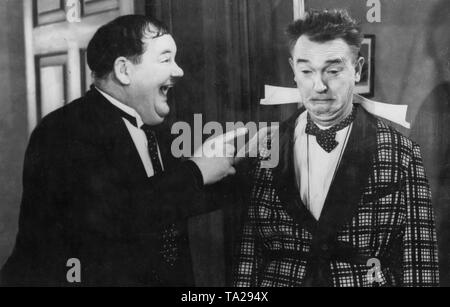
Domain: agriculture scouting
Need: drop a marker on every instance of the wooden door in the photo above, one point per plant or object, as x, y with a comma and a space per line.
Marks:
56, 36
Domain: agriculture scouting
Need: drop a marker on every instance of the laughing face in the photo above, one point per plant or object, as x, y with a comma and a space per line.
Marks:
152, 79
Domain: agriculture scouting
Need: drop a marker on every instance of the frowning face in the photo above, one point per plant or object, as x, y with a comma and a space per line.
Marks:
152, 78
325, 74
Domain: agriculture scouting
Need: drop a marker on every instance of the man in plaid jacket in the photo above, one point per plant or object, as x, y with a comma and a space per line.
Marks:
349, 203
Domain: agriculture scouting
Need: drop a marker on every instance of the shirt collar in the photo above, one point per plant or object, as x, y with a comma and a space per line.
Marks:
123, 107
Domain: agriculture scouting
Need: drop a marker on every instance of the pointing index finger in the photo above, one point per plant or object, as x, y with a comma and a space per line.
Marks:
231, 135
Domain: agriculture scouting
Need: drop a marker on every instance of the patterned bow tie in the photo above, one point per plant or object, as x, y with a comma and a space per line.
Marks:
326, 138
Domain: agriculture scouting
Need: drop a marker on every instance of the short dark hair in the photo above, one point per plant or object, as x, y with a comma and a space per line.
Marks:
121, 37
323, 26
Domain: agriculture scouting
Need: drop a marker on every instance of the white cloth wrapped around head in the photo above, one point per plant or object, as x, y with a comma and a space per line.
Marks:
276, 95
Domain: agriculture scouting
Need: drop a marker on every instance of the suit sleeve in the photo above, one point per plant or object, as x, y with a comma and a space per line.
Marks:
420, 256
150, 204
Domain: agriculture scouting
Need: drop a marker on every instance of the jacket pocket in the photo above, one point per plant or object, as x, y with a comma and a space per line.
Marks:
381, 192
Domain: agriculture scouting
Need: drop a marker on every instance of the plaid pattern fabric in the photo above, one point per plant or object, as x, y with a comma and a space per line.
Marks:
393, 222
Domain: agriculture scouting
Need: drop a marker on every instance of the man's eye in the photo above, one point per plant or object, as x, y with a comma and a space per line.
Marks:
333, 72
306, 72
165, 60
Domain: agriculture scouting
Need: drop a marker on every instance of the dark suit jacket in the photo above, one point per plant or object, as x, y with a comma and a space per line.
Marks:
86, 195
378, 206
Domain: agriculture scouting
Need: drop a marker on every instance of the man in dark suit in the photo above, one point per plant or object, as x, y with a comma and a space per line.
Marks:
349, 203
100, 184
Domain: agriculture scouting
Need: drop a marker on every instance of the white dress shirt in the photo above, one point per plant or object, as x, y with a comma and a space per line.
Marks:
137, 134
321, 166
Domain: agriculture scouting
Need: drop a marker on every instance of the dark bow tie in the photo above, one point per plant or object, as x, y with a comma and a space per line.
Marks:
326, 138
127, 116
151, 138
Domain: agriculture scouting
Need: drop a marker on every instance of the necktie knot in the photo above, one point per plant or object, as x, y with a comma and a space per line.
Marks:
326, 138
149, 132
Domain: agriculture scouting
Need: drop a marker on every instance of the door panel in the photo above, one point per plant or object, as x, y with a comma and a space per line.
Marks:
48, 11
51, 82
56, 67
99, 6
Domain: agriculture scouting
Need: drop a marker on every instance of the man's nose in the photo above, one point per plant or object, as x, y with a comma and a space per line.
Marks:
319, 85
177, 71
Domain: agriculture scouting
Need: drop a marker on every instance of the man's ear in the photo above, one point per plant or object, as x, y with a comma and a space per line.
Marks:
358, 69
122, 70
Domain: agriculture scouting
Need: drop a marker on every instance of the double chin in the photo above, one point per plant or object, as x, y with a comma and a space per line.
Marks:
327, 119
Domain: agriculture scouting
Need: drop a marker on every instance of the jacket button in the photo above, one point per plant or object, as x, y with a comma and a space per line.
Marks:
324, 247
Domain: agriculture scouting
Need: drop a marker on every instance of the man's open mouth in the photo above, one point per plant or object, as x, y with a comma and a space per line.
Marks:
165, 88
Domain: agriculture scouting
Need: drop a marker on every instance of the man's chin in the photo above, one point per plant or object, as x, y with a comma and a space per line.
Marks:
323, 116
161, 116
154, 119
320, 111
162, 110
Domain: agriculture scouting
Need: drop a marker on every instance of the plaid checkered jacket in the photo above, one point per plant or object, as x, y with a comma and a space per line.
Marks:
378, 207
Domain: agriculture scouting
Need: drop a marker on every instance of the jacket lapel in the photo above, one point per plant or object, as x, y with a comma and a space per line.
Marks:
165, 139
284, 177
119, 145
351, 177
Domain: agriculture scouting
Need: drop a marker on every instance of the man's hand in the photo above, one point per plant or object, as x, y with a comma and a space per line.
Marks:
257, 143
215, 158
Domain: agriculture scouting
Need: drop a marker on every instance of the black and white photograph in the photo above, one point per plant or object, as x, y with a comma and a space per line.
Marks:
234, 145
